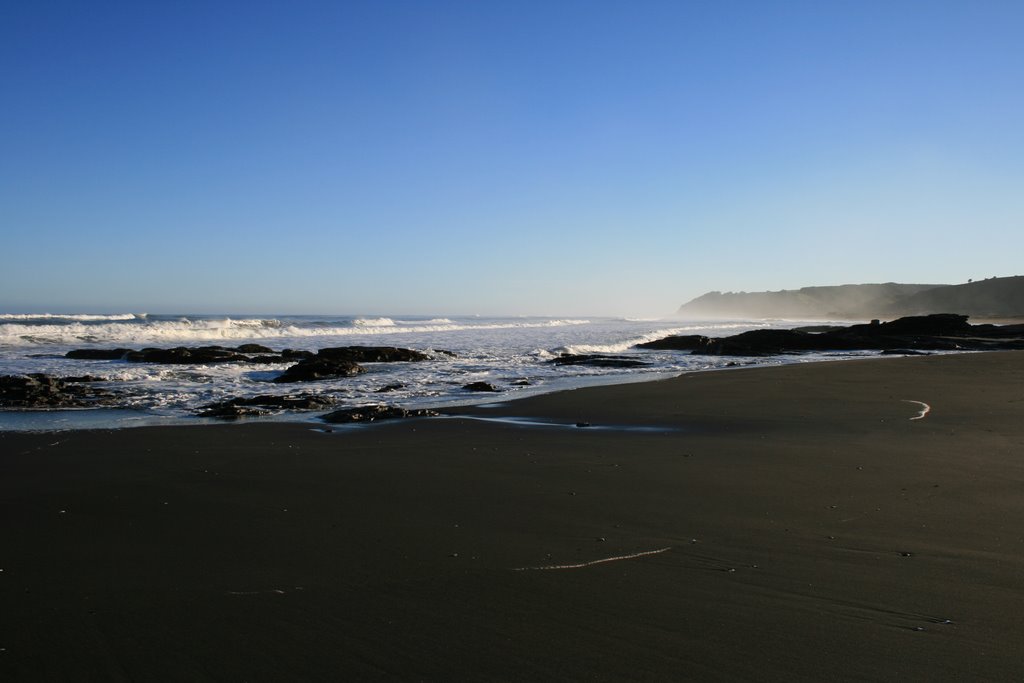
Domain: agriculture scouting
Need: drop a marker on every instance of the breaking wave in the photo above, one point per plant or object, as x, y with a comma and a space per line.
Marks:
186, 330
71, 316
618, 347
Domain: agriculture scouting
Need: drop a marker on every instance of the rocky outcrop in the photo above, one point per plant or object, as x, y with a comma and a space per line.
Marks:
598, 360
686, 342
317, 368
480, 386
374, 413
188, 355
937, 332
372, 354
264, 405
343, 361
97, 354
39, 391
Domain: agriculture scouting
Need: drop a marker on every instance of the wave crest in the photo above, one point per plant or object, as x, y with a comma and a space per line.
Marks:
72, 316
186, 330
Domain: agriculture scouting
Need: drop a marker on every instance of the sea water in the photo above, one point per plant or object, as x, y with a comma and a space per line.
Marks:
511, 353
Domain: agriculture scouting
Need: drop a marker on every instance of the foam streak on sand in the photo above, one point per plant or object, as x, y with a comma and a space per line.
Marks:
925, 409
593, 562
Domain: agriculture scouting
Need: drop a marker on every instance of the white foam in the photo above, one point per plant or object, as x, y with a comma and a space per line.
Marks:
71, 316
618, 347
432, 321
925, 409
373, 322
186, 330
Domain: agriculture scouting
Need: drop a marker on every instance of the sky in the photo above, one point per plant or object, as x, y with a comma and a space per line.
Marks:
520, 158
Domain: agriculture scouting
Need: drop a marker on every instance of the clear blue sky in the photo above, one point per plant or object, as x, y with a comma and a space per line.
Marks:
501, 157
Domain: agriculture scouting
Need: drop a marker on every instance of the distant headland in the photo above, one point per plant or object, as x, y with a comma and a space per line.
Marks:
997, 297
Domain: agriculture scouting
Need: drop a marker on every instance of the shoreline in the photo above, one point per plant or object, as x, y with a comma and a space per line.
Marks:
798, 522
450, 409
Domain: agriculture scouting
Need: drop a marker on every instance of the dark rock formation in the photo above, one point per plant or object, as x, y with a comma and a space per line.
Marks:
342, 361
253, 348
937, 332
372, 354
43, 391
317, 368
480, 386
374, 413
598, 361
390, 387
686, 342
184, 355
265, 404
259, 354
296, 354
97, 354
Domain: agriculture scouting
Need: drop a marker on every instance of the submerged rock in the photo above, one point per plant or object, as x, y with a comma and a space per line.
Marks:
480, 386
185, 355
39, 390
598, 360
375, 413
317, 368
265, 404
97, 354
372, 354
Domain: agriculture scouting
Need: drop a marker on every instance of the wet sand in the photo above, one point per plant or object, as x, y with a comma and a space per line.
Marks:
787, 523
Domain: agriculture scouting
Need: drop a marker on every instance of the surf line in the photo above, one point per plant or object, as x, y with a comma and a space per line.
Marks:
593, 562
925, 409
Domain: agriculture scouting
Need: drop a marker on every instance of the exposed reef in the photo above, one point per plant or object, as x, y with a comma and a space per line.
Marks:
40, 391
375, 413
264, 405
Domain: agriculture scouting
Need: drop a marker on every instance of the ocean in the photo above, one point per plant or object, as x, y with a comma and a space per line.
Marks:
510, 353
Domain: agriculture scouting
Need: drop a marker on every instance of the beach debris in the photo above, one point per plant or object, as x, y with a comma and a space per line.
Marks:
906, 554
480, 386
603, 560
374, 413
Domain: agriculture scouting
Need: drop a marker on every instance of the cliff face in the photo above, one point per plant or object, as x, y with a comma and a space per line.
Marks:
994, 298
997, 297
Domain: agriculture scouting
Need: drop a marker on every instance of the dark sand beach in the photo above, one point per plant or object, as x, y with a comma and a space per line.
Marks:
786, 523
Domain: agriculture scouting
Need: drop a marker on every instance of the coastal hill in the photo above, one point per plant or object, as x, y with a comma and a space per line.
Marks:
992, 298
